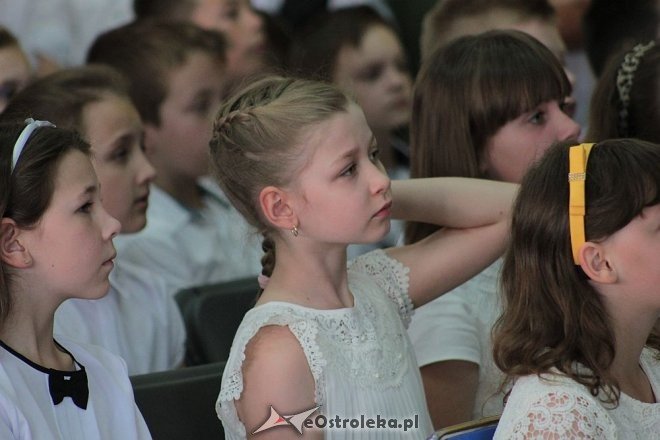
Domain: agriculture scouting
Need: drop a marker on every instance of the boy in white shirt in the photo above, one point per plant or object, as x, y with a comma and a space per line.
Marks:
193, 237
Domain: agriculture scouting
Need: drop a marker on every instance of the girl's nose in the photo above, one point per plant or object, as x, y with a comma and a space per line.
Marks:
380, 181
570, 130
111, 226
146, 171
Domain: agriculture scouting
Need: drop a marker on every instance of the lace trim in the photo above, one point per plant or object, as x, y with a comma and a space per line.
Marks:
306, 332
565, 409
367, 343
392, 276
562, 415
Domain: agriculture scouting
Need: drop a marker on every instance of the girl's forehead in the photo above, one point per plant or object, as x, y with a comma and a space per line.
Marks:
342, 131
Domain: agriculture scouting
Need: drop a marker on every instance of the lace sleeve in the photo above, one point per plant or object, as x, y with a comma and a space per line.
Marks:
391, 276
540, 411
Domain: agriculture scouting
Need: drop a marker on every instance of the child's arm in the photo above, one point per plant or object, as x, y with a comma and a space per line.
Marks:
475, 214
276, 372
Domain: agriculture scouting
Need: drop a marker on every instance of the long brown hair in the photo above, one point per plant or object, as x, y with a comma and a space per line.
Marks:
468, 90
552, 316
642, 109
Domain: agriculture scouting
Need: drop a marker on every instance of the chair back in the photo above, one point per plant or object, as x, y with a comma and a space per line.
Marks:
482, 429
180, 404
212, 314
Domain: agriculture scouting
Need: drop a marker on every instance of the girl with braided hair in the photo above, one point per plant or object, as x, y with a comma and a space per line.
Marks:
298, 160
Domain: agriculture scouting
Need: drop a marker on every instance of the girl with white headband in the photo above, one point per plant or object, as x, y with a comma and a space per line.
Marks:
581, 295
55, 244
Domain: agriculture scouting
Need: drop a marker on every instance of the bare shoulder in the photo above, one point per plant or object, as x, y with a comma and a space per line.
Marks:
275, 372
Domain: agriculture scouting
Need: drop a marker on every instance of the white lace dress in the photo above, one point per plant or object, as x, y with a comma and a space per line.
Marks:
557, 407
361, 358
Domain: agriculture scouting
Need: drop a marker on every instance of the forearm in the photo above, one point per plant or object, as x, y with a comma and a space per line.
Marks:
453, 201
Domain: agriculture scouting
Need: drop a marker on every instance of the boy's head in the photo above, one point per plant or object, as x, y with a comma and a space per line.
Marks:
450, 19
360, 52
177, 74
235, 19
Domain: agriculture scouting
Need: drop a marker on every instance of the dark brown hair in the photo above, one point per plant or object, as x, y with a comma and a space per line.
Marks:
146, 52
465, 92
7, 39
643, 107
315, 50
608, 26
552, 316
163, 9
25, 193
61, 97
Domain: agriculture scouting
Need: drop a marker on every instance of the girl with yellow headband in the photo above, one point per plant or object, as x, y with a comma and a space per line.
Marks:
581, 291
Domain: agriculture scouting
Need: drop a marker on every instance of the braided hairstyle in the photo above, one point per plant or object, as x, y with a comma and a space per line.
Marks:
258, 139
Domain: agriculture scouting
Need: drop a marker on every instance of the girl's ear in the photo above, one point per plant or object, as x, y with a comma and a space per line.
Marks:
12, 252
595, 263
276, 208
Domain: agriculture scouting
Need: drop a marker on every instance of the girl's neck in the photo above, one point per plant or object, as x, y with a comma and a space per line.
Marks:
631, 334
32, 337
309, 278
186, 192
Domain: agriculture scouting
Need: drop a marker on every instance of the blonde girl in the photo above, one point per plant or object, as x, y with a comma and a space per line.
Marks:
299, 161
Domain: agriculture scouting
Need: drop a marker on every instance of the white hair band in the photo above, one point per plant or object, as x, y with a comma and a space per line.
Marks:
23, 138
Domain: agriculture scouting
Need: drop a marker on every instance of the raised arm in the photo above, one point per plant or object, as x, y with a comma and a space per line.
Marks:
475, 214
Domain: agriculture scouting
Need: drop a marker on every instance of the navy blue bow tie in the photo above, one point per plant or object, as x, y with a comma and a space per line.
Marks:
70, 383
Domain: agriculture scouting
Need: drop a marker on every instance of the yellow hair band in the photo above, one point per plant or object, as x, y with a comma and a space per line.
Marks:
577, 175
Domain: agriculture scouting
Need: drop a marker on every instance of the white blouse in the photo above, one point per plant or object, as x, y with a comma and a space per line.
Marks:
556, 406
360, 357
27, 411
457, 326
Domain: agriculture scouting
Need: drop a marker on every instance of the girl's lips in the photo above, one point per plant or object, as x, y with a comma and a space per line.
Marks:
142, 201
109, 262
384, 211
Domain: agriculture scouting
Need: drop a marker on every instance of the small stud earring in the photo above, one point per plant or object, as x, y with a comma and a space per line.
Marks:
294, 231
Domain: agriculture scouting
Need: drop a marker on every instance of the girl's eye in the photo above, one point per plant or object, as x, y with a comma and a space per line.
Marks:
371, 73
201, 107
86, 208
121, 155
374, 155
349, 171
537, 118
568, 107
232, 13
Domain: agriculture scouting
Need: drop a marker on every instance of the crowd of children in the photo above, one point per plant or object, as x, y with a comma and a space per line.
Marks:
434, 243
